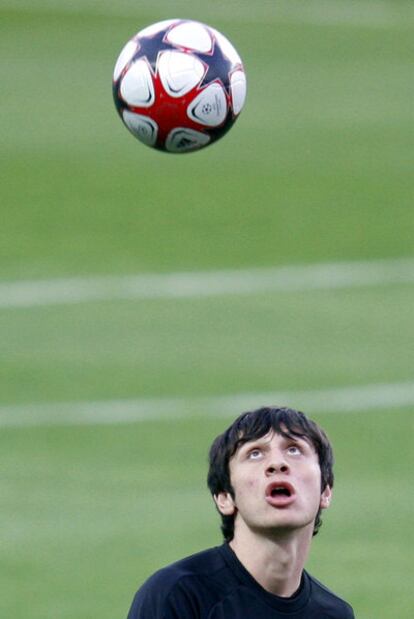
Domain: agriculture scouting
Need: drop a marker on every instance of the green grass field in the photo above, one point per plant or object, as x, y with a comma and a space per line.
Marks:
318, 169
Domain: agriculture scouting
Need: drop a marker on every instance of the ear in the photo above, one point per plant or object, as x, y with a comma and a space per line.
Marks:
225, 503
326, 497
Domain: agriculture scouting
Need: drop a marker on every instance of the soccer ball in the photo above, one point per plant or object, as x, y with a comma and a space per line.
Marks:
179, 85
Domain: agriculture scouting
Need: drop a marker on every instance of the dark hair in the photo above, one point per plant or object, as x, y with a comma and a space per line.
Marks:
255, 424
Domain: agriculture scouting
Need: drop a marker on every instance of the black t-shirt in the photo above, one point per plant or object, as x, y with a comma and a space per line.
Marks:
213, 584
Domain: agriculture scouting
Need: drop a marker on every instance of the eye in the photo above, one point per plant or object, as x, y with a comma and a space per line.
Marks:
254, 454
294, 450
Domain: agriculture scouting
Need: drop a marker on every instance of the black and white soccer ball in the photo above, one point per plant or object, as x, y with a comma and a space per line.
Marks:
179, 85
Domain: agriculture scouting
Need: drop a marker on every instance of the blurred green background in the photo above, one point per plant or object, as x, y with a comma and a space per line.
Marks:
318, 169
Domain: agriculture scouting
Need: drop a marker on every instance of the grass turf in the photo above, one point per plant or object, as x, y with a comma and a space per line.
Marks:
317, 168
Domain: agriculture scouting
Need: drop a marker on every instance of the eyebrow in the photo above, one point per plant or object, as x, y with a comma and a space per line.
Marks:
299, 439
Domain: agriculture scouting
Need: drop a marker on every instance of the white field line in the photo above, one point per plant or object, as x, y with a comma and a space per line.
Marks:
208, 283
331, 400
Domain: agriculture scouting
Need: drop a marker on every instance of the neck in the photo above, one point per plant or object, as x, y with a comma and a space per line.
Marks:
276, 562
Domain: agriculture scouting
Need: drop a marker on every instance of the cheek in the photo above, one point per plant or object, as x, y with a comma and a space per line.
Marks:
311, 479
314, 486
245, 487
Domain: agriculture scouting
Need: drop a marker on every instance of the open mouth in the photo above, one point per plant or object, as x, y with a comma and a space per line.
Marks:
280, 493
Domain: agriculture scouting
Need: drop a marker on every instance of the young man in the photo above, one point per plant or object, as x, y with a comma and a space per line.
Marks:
270, 476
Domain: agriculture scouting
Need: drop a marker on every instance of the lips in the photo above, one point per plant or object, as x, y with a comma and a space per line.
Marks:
280, 494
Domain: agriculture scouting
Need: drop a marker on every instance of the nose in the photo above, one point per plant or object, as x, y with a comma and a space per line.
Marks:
277, 466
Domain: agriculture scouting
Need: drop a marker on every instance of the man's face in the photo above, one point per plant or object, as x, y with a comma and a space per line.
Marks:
277, 485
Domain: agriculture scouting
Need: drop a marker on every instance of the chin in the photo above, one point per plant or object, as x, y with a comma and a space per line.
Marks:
290, 525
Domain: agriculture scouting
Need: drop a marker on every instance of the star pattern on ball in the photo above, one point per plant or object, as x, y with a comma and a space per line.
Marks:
151, 46
217, 64
219, 67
